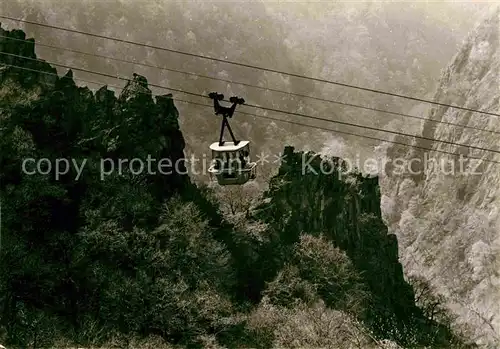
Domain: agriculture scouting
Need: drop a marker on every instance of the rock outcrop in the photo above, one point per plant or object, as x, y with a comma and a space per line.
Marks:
310, 194
447, 215
102, 144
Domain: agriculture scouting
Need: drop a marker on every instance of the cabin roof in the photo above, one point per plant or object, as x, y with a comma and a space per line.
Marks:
228, 146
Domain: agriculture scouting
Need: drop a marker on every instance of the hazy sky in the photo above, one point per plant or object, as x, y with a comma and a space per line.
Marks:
394, 46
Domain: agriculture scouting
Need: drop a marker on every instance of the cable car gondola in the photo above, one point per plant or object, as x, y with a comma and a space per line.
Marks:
231, 163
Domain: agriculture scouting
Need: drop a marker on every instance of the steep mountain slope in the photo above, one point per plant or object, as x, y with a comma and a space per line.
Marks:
311, 195
447, 216
98, 249
103, 253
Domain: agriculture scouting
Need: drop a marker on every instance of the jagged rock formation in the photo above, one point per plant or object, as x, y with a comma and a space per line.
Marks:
309, 194
447, 217
48, 216
101, 124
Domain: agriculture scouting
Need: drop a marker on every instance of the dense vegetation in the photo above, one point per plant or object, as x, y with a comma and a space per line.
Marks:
149, 259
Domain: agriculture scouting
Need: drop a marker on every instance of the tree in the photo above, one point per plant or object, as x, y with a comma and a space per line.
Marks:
331, 272
238, 199
315, 271
308, 326
171, 281
428, 300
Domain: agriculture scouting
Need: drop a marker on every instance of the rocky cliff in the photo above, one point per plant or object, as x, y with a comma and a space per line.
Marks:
48, 215
97, 130
311, 194
446, 216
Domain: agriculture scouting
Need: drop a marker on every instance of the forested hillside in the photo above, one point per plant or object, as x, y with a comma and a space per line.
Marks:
108, 257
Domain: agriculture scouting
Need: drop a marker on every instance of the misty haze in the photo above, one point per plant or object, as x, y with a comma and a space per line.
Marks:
201, 174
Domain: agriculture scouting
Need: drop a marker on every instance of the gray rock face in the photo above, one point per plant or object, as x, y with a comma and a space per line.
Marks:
447, 217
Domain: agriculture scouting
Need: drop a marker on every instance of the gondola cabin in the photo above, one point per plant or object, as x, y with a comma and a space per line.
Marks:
231, 163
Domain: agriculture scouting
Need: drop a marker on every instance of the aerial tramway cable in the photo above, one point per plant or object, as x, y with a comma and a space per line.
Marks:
249, 66
255, 86
265, 108
287, 121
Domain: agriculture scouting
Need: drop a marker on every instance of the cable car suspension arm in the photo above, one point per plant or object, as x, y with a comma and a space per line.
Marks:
226, 112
